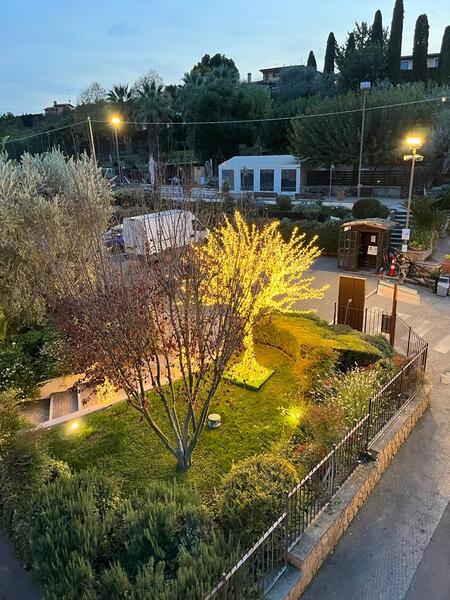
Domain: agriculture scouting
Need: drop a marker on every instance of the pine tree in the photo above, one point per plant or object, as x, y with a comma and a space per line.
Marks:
311, 60
395, 43
376, 31
420, 49
330, 54
444, 58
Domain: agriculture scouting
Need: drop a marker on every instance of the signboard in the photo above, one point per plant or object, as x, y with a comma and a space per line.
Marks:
372, 250
406, 234
365, 85
403, 294
404, 247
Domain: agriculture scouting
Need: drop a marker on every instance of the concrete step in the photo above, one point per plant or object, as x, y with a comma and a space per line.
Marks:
63, 403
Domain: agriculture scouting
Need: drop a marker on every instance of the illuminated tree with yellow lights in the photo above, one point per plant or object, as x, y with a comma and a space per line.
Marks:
271, 270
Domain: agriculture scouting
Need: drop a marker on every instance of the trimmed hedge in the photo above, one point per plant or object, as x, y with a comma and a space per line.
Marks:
327, 233
368, 208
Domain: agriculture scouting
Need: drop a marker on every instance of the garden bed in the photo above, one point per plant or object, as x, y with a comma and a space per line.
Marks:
115, 440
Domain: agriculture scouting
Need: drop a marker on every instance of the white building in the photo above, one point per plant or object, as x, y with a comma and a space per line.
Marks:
406, 62
278, 173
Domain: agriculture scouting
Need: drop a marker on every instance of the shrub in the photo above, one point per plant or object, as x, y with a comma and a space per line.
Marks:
25, 468
327, 234
284, 203
11, 419
350, 392
253, 494
348, 358
73, 531
28, 358
368, 208
379, 342
266, 332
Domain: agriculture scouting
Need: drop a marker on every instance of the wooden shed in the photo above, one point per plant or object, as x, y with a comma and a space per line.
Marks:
364, 244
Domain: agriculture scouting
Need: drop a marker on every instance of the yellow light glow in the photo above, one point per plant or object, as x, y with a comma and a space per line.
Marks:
294, 415
74, 425
115, 121
271, 274
414, 142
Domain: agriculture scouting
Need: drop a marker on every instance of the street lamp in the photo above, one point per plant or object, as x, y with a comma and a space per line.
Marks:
115, 122
364, 86
414, 143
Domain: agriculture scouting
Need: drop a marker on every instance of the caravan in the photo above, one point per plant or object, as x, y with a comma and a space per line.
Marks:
155, 232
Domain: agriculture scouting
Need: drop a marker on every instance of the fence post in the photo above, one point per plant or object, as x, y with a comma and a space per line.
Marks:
334, 314
369, 423
409, 339
333, 468
286, 528
365, 319
225, 586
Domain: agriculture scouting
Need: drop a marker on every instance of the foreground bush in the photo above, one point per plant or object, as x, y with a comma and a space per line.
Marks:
88, 541
26, 467
254, 494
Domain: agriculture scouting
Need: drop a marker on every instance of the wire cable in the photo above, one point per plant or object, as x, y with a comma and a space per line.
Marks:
47, 132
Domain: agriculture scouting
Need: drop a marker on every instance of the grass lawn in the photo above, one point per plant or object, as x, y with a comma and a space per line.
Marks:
116, 442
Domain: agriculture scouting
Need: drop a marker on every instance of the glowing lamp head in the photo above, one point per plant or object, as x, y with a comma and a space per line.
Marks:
115, 121
74, 426
414, 142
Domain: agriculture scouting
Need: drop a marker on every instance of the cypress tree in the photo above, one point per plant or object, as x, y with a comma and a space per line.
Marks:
444, 58
395, 43
376, 31
420, 49
351, 45
311, 60
330, 54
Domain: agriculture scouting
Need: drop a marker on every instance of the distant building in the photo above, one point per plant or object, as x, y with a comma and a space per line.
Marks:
271, 76
278, 174
59, 109
406, 62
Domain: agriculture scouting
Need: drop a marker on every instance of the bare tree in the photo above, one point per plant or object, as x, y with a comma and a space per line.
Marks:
158, 322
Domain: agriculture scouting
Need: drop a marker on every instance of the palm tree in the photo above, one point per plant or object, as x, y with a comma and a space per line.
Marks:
152, 105
119, 94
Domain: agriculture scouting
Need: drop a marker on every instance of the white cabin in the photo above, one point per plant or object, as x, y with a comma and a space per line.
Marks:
277, 173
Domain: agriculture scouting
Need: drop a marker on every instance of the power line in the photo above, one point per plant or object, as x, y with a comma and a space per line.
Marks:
292, 118
442, 99
47, 132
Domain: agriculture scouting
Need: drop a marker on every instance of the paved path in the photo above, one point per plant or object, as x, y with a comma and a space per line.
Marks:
398, 546
15, 584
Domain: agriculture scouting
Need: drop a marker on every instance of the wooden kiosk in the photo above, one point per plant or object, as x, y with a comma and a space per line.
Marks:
364, 244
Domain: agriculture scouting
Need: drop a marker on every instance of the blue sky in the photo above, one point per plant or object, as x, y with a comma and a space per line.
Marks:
53, 49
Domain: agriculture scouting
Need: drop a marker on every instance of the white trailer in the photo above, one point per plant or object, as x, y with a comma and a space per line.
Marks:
155, 232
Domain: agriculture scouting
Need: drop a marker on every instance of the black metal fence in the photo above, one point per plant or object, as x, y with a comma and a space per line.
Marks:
259, 569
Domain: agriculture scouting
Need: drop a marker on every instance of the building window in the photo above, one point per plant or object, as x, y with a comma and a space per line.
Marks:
247, 180
266, 179
436, 63
404, 65
288, 180
228, 178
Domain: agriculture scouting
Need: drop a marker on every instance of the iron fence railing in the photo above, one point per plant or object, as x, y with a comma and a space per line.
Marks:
258, 570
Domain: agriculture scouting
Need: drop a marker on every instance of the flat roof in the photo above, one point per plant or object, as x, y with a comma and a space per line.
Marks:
431, 55
272, 160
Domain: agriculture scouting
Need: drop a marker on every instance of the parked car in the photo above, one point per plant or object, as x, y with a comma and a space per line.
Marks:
155, 232
114, 239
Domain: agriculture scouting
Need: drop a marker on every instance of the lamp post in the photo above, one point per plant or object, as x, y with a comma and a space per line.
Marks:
414, 143
115, 122
331, 180
364, 86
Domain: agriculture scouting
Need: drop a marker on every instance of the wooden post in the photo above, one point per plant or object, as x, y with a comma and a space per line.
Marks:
393, 315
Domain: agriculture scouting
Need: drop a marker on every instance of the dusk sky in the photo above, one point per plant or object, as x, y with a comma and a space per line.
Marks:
52, 50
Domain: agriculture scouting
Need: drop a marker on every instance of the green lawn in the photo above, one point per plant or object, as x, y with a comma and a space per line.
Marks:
118, 443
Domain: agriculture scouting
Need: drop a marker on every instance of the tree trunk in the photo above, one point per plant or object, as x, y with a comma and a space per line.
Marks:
184, 459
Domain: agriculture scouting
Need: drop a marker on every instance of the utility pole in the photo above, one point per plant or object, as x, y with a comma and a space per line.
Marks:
91, 139
365, 87
331, 179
